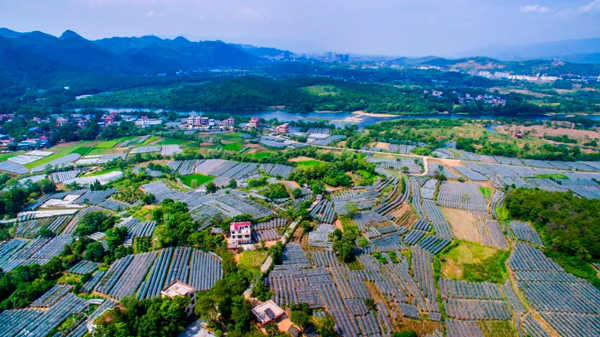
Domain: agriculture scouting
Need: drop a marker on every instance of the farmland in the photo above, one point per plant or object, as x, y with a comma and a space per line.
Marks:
382, 240
199, 179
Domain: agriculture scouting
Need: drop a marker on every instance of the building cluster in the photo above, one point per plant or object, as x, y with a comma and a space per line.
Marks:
539, 78
487, 99
200, 122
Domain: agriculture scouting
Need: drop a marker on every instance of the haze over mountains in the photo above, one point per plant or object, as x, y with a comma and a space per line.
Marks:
36, 58
577, 51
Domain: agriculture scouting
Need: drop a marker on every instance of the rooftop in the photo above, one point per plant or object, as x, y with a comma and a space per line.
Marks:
267, 312
177, 288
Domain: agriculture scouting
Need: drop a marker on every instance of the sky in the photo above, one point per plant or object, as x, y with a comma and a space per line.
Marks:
370, 27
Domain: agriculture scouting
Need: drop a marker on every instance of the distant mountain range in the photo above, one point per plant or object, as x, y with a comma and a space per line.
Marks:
30, 58
576, 51
40, 60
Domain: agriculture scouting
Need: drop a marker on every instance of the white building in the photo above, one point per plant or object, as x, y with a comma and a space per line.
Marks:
240, 233
178, 288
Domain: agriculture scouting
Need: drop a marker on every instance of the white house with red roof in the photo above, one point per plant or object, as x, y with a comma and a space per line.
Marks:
240, 233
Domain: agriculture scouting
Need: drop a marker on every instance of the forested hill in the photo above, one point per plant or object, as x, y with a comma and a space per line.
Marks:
34, 58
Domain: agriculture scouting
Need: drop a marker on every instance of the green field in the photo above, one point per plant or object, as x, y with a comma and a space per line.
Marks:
486, 191
311, 163
199, 178
323, 90
252, 259
150, 140
259, 155
172, 141
233, 147
473, 262
551, 176
5, 156
97, 173
109, 144
84, 150
62, 150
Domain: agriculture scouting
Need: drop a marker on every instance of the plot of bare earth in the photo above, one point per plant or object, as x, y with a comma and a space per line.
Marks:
538, 131
299, 159
475, 227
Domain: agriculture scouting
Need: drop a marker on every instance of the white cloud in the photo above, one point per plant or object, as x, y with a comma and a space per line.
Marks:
592, 7
534, 9
156, 14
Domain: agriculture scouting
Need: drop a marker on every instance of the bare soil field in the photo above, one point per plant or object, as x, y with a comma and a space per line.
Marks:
463, 224
538, 131
406, 216
299, 159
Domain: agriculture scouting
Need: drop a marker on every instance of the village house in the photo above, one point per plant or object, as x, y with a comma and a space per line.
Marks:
178, 288
239, 233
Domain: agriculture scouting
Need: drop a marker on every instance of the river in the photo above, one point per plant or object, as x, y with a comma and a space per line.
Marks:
336, 118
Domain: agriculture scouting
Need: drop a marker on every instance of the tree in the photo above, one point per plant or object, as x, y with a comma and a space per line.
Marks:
211, 187
94, 252
149, 199
301, 315
351, 209
232, 183
48, 187
276, 252
344, 245
325, 326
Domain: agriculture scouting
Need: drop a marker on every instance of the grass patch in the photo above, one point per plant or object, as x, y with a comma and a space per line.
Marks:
233, 147
496, 328
311, 163
82, 150
199, 178
62, 150
150, 140
5, 156
97, 173
172, 141
486, 191
456, 153
98, 152
473, 262
260, 155
252, 259
69, 278
553, 176
109, 144
323, 90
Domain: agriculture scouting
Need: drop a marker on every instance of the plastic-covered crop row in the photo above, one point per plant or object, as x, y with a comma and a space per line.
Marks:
271, 224
525, 232
156, 279
323, 211
477, 309
413, 237
434, 244
84, 267
458, 328
472, 290
132, 276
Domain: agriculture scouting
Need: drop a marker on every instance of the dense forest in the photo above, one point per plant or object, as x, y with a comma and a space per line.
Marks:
569, 226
